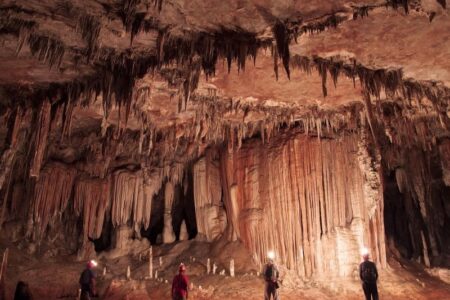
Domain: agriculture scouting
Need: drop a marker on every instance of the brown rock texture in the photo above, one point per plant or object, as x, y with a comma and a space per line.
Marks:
308, 128
304, 199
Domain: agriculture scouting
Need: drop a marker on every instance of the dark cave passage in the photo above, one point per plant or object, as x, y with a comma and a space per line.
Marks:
183, 208
156, 226
416, 228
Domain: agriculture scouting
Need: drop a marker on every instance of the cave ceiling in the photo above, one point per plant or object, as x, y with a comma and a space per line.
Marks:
170, 63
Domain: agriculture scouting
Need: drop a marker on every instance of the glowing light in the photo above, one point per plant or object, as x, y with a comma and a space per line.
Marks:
364, 251
271, 255
93, 263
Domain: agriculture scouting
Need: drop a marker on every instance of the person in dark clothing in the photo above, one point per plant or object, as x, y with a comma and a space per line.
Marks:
271, 276
87, 281
22, 291
180, 284
369, 276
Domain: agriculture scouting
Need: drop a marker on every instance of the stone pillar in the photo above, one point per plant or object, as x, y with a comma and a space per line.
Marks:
168, 234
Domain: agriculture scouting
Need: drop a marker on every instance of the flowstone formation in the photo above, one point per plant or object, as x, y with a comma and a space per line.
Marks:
308, 128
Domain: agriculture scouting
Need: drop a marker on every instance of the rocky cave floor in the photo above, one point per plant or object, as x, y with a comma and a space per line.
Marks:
56, 277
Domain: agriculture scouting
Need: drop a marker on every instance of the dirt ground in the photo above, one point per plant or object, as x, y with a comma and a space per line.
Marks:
57, 278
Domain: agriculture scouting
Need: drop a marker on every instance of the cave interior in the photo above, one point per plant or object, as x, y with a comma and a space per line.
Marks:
146, 133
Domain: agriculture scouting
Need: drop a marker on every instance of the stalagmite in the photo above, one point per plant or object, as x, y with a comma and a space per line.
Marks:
208, 266
425, 251
184, 236
232, 267
150, 263
128, 273
160, 261
214, 268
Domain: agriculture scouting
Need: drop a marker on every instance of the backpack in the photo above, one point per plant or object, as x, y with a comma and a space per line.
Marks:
268, 274
86, 277
368, 272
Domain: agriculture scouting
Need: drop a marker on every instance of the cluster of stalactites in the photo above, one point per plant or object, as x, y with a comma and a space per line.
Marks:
209, 211
124, 197
51, 195
315, 191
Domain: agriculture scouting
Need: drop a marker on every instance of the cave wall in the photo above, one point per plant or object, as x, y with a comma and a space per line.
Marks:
306, 199
417, 203
315, 201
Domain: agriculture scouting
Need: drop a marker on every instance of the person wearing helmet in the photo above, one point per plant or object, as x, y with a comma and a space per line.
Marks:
180, 284
87, 281
271, 276
369, 276
22, 291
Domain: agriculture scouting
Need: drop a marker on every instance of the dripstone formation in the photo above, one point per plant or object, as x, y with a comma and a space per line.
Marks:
310, 128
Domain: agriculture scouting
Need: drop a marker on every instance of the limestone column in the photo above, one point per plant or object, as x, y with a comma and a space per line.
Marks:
168, 234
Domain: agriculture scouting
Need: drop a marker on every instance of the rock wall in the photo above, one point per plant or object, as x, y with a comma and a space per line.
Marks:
305, 199
417, 204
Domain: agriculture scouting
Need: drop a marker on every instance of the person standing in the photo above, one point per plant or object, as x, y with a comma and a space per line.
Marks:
22, 291
87, 281
271, 276
369, 276
180, 284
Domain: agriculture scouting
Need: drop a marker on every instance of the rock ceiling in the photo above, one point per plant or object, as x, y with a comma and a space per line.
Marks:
170, 63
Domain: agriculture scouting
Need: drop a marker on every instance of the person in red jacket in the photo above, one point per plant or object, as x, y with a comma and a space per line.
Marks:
180, 284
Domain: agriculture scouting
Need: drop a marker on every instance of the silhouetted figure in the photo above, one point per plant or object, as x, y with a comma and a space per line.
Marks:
22, 291
180, 284
271, 275
369, 276
87, 281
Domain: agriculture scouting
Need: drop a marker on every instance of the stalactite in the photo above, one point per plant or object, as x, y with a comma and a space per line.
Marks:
126, 10
362, 11
67, 118
89, 27
3, 269
396, 3
51, 195
142, 24
159, 3
374, 81
317, 201
282, 40
13, 127
443, 3
132, 198
40, 138
232, 45
47, 49
330, 22
91, 200
210, 215
169, 194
